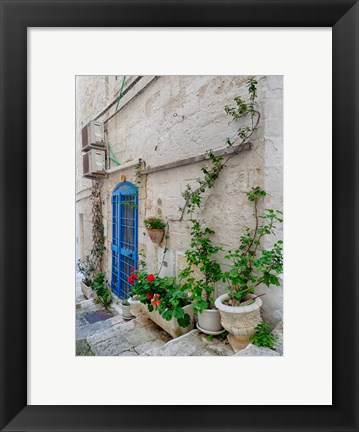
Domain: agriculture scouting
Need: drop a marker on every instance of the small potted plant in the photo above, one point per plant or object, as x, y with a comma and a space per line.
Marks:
155, 228
102, 290
203, 287
251, 266
126, 310
87, 269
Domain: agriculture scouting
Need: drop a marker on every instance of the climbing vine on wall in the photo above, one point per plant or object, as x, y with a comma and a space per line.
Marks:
244, 110
98, 237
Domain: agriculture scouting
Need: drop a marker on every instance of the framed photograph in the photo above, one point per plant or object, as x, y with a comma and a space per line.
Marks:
179, 216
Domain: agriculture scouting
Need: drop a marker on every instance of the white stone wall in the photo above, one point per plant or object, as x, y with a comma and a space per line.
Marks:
164, 119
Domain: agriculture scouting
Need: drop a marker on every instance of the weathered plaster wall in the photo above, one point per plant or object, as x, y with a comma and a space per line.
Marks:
92, 96
173, 118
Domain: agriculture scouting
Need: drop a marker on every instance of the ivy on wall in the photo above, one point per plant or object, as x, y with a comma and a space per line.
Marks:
98, 237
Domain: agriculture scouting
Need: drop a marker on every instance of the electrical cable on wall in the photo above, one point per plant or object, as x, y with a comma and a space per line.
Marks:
120, 95
113, 158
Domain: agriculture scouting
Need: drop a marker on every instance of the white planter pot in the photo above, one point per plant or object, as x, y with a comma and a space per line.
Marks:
135, 307
240, 320
210, 320
126, 311
172, 327
87, 291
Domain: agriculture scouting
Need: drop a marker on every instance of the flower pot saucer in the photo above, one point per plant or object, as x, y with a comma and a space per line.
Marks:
208, 332
128, 318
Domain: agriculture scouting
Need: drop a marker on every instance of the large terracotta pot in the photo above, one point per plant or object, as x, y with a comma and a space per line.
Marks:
241, 320
156, 234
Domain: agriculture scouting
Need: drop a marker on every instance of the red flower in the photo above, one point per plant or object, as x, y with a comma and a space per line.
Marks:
155, 301
148, 295
150, 278
131, 278
133, 269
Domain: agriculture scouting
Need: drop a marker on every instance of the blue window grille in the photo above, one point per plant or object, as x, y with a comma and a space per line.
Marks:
124, 237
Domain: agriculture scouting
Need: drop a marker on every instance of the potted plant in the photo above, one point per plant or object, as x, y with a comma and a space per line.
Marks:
126, 310
135, 305
163, 301
87, 269
155, 228
251, 266
102, 290
203, 285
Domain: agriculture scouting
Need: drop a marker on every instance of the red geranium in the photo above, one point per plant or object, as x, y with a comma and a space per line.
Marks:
155, 301
131, 278
148, 295
150, 278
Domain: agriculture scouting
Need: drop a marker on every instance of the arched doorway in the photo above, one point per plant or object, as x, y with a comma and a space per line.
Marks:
124, 237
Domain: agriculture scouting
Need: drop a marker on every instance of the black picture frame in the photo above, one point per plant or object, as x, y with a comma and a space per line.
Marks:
16, 17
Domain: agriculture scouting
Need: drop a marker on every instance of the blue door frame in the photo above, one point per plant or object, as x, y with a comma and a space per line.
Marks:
124, 237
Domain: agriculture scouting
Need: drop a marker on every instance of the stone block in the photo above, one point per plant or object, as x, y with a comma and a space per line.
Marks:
254, 351
238, 343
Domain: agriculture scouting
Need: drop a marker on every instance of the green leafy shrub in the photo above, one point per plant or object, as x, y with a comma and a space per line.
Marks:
87, 268
202, 289
161, 294
102, 289
154, 223
250, 265
263, 336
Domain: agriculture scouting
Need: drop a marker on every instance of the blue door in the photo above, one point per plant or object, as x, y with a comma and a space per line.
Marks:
124, 237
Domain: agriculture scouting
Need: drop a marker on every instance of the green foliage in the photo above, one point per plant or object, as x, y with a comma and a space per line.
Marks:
161, 294
87, 269
250, 265
241, 110
155, 223
201, 255
263, 336
98, 237
102, 289
202, 248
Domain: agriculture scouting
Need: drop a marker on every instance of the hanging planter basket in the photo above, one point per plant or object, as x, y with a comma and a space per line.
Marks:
156, 234
155, 228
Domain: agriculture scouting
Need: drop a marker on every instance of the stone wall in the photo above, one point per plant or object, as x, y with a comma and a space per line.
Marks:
165, 119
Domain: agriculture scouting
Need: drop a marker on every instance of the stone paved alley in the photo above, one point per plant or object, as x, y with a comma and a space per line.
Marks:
100, 333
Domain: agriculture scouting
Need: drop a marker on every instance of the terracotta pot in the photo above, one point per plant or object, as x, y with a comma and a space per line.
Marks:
156, 234
210, 320
240, 320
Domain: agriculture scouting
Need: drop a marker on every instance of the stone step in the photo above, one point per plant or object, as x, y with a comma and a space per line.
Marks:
88, 329
126, 338
193, 343
114, 336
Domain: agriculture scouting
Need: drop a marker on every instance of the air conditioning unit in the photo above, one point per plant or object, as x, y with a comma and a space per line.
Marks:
94, 163
93, 136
